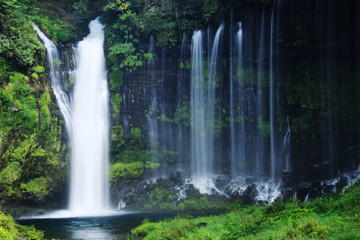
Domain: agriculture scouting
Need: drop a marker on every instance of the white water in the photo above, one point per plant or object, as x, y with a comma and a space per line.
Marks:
87, 123
199, 151
89, 194
153, 124
237, 138
57, 80
259, 162
203, 112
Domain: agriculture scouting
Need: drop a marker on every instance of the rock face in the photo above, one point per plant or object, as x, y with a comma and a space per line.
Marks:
293, 43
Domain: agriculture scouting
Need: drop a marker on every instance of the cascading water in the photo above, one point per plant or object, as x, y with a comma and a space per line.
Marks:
286, 147
211, 85
200, 167
259, 162
57, 80
87, 122
89, 179
202, 112
237, 135
275, 158
152, 115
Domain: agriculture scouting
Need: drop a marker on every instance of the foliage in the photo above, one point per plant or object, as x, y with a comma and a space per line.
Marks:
30, 145
80, 6
63, 21
126, 170
159, 198
281, 220
38, 188
123, 55
18, 39
9, 230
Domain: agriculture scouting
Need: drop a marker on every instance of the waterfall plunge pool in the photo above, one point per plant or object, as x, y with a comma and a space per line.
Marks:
105, 227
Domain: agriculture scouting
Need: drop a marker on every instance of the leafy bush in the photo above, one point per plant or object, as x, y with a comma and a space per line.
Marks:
126, 170
38, 188
9, 230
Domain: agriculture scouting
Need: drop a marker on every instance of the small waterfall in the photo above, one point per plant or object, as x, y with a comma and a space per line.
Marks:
237, 146
57, 80
232, 107
275, 157
259, 159
243, 131
86, 120
89, 192
182, 136
153, 108
287, 147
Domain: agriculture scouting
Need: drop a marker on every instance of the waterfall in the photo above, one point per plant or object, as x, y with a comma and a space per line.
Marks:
237, 146
200, 166
276, 161
232, 107
211, 98
286, 146
259, 159
242, 133
86, 120
203, 111
57, 79
90, 115
152, 115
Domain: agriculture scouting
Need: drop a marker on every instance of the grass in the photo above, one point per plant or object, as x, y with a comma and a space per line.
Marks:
331, 217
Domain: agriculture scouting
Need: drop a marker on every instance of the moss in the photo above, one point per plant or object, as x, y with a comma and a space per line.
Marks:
35, 76
126, 170
38, 69
135, 133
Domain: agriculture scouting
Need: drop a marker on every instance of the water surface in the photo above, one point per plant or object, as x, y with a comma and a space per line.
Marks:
108, 227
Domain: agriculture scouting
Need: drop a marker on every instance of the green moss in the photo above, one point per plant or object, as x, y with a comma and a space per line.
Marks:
35, 76
126, 170
44, 102
116, 79
38, 69
136, 133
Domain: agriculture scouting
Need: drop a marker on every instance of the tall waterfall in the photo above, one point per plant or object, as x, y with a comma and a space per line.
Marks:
87, 121
203, 110
276, 160
237, 135
90, 115
259, 162
200, 166
152, 115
